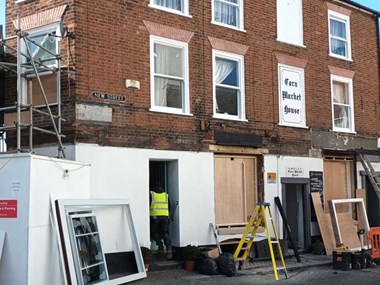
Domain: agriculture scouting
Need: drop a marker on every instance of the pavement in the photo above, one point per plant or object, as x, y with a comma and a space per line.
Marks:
171, 272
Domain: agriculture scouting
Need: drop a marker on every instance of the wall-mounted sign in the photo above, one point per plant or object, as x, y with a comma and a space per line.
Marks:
316, 181
271, 177
294, 171
107, 96
16, 188
291, 96
8, 208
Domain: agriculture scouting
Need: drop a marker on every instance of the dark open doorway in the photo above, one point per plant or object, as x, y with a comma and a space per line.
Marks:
296, 204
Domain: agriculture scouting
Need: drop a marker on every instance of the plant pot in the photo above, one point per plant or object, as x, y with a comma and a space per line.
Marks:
189, 265
146, 265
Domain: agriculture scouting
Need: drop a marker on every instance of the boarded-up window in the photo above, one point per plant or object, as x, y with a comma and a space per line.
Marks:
49, 83
338, 182
235, 189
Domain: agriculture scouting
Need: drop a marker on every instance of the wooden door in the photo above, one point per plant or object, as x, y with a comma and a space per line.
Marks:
235, 189
338, 182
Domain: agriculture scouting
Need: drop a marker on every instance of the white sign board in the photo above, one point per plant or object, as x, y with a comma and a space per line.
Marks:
292, 96
294, 171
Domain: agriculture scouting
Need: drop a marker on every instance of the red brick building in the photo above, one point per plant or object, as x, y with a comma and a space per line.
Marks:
225, 102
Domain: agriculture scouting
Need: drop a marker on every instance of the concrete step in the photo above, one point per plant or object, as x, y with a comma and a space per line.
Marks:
159, 265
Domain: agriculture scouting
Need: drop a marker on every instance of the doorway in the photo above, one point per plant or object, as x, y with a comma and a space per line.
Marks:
296, 204
166, 173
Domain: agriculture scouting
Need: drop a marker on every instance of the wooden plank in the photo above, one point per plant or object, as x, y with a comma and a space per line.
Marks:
348, 229
360, 193
237, 150
324, 223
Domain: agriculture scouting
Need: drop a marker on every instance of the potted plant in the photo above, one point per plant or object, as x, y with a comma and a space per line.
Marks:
147, 256
190, 254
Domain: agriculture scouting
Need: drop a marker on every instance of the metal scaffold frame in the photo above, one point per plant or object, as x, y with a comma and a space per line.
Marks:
28, 67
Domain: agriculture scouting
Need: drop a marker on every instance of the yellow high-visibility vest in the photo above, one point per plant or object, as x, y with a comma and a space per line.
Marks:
159, 205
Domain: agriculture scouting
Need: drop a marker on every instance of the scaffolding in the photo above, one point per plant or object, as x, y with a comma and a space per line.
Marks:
26, 68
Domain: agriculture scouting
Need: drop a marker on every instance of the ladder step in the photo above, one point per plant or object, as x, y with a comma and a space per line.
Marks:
239, 259
274, 241
281, 268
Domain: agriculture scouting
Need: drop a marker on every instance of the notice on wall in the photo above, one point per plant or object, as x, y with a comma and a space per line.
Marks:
16, 189
271, 177
294, 171
292, 96
8, 209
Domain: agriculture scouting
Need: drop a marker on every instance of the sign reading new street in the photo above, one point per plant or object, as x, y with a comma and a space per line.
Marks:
292, 96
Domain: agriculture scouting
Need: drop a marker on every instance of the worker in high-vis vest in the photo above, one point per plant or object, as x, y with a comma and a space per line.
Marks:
159, 219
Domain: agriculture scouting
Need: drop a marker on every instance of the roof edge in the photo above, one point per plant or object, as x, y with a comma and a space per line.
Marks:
360, 6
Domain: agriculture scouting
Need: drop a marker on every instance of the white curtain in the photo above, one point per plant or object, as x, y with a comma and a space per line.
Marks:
338, 29
172, 4
222, 69
162, 56
226, 13
340, 97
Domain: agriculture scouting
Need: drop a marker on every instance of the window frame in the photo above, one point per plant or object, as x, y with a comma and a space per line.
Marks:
50, 28
241, 78
332, 15
349, 82
185, 110
240, 26
185, 11
300, 26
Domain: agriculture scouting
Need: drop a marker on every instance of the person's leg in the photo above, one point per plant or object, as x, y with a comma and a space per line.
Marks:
155, 234
165, 235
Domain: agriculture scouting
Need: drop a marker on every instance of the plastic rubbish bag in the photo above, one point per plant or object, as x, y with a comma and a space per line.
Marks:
226, 264
207, 265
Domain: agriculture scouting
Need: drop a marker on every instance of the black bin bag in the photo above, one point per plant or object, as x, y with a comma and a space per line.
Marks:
226, 264
207, 265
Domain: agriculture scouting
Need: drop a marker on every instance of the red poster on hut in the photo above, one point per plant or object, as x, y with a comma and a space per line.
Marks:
8, 208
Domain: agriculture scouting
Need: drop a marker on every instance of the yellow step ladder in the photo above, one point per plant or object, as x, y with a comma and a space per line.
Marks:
259, 217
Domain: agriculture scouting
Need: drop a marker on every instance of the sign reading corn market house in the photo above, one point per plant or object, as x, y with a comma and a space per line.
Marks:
292, 96
107, 96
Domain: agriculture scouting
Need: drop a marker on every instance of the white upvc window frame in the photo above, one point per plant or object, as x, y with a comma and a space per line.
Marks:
346, 20
241, 78
349, 82
185, 110
240, 20
185, 11
282, 38
50, 28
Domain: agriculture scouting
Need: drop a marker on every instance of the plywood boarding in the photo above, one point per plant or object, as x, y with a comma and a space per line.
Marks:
337, 183
360, 193
49, 83
347, 227
324, 223
235, 189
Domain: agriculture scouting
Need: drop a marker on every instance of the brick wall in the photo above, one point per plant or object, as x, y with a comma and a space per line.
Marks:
111, 44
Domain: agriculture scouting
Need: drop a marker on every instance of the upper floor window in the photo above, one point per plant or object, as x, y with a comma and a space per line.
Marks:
175, 6
229, 101
42, 47
228, 13
342, 104
290, 22
169, 76
339, 35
